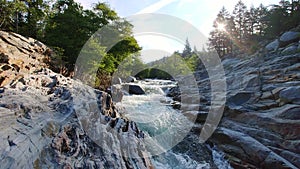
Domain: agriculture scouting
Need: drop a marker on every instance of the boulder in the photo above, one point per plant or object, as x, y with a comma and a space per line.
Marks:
175, 93
290, 95
51, 120
130, 79
273, 45
116, 93
289, 37
134, 89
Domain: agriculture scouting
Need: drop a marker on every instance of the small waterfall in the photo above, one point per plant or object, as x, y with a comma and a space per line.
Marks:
155, 117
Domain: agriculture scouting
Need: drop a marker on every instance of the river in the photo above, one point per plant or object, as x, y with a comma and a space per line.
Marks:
163, 124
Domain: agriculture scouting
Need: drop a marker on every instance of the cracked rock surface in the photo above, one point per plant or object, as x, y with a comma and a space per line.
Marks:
51, 121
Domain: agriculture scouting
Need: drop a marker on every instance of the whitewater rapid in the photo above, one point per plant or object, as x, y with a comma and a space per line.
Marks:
154, 115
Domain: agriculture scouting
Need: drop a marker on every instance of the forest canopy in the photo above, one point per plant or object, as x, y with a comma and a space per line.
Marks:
65, 26
234, 32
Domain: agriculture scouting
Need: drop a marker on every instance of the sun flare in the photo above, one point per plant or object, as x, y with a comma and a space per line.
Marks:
221, 27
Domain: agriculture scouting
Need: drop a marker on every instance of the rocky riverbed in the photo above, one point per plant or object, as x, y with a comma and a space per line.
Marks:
50, 121
260, 127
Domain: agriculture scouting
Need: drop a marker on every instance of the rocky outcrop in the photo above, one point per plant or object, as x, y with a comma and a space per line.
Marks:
260, 127
287, 43
50, 121
20, 56
261, 122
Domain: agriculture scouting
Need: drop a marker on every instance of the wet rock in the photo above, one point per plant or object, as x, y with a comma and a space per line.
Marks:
175, 93
176, 105
134, 89
130, 79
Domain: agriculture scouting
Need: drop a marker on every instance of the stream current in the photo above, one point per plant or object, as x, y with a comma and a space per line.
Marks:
163, 124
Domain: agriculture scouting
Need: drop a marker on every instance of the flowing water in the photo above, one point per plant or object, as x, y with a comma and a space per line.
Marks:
166, 127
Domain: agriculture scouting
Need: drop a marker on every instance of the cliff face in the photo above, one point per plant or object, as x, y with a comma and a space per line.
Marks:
261, 123
260, 127
50, 121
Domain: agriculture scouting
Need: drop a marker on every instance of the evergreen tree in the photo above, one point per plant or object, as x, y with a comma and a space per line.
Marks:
187, 51
251, 21
220, 39
262, 23
10, 14
240, 19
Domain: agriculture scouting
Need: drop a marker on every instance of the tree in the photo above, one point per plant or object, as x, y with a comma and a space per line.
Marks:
67, 29
240, 15
251, 21
10, 12
31, 21
220, 38
187, 51
282, 17
261, 14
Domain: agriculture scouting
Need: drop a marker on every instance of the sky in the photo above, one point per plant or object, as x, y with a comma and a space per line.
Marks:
199, 13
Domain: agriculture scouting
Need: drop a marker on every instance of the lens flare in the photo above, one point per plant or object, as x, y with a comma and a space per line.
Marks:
221, 27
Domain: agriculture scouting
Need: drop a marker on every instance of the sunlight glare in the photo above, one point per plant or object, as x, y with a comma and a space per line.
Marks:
221, 27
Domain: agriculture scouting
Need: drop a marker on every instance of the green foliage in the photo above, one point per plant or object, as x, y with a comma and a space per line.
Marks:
174, 65
154, 73
131, 66
69, 19
24, 17
123, 49
187, 51
219, 38
283, 17
240, 20
10, 12
66, 27
246, 27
